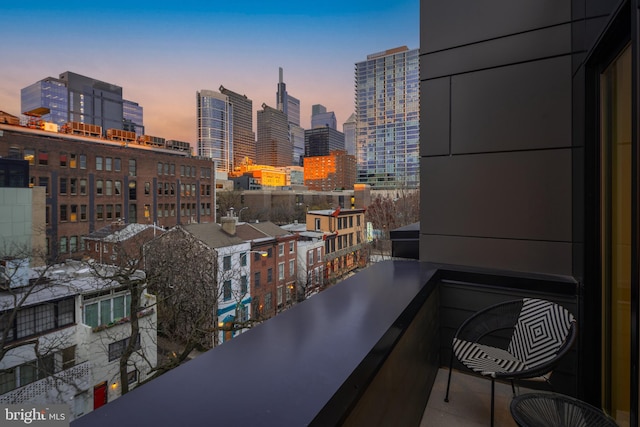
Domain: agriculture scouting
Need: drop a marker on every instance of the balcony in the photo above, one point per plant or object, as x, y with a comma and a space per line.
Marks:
368, 351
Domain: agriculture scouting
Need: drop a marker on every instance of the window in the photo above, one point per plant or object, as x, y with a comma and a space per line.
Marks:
279, 295
292, 247
63, 160
43, 158
118, 211
147, 188
243, 259
108, 187
41, 318
226, 290
117, 348
243, 285
63, 185
166, 168
73, 161
83, 187
73, 244
269, 252
172, 169
351, 221
256, 279
132, 167
43, 181
281, 249
226, 263
269, 275
73, 187
317, 223
117, 164
281, 271
98, 163
318, 254
181, 170
73, 217
358, 220
107, 310
109, 211
118, 188
108, 163
292, 267
30, 156
267, 301
159, 168
132, 376
310, 255
83, 161
63, 213
99, 187
83, 212
132, 190
99, 212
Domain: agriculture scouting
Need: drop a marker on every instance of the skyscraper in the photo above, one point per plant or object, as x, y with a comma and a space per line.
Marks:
388, 117
321, 141
320, 117
76, 98
243, 137
273, 147
287, 103
132, 116
215, 128
349, 130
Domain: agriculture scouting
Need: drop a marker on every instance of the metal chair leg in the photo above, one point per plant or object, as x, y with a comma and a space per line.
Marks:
493, 389
446, 398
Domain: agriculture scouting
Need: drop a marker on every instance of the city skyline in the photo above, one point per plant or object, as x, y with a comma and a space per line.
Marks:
162, 56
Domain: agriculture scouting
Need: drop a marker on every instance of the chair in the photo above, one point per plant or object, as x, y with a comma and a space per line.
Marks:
520, 339
556, 410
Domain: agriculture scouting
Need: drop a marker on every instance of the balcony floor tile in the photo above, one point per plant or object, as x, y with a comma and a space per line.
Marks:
469, 402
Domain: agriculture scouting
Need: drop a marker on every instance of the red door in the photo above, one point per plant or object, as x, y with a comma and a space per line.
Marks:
99, 395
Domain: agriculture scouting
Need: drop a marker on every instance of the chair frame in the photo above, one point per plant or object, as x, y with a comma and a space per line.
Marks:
503, 317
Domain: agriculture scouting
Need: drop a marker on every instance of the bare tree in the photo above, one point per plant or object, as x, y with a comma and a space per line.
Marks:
181, 271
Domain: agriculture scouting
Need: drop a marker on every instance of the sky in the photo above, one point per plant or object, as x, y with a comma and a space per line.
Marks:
162, 53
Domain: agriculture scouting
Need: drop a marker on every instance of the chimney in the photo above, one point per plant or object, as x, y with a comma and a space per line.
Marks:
229, 225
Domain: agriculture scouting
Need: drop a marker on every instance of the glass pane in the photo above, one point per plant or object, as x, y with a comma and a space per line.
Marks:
616, 236
118, 307
91, 315
105, 312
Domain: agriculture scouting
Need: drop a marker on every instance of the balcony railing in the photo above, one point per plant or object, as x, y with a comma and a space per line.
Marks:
63, 385
364, 352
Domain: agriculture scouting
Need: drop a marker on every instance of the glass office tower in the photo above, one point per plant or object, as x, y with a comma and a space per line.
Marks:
388, 117
48, 99
243, 137
132, 117
215, 128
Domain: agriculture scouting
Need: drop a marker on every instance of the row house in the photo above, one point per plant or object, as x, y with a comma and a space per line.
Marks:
274, 268
64, 341
345, 246
91, 182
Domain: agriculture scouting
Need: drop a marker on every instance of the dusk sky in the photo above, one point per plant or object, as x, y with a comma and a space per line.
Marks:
162, 53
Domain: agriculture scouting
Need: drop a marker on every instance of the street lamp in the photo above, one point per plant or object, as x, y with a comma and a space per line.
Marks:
240, 211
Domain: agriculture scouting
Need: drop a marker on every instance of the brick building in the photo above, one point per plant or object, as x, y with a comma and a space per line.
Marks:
91, 182
274, 275
327, 173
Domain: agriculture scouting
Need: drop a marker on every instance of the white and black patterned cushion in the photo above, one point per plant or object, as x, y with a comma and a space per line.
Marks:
540, 331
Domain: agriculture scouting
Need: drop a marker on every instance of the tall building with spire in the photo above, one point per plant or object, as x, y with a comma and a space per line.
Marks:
290, 106
388, 118
215, 128
244, 139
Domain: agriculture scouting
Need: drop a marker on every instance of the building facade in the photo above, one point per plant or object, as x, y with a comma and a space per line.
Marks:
529, 155
349, 130
344, 242
320, 117
92, 182
274, 145
333, 172
76, 98
215, 128
388, 119
243, 137
321, 141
